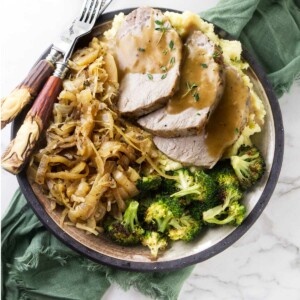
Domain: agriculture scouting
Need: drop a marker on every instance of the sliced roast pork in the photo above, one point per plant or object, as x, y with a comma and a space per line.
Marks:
222, 130
201, 88
148, 54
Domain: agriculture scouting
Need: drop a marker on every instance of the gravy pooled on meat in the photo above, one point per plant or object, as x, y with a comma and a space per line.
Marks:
222, 130
200, 82
201, 87
148, 53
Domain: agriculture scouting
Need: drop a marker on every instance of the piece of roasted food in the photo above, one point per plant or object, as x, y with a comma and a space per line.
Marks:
148, 53
201, 87
222, 130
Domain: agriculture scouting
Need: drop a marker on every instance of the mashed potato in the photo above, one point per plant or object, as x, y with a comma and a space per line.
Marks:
185, 23
232, 51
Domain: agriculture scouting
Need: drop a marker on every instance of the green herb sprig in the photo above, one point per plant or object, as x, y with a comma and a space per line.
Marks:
189, 88
150, 76
162, 28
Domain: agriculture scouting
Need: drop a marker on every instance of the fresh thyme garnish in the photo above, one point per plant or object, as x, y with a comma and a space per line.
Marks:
150, 76
141, 49
164, 76
204, 66
196, 96
220, 48
165, 52
236, 131
216, 55
172, 60
198, 114
164, 68
161, 28
171, 45
189, 88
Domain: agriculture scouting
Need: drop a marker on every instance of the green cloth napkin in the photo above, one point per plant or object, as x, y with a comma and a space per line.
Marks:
36, 266
270, 30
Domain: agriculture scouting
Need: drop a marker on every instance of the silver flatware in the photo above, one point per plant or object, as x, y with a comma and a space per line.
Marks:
20, 149
13, 104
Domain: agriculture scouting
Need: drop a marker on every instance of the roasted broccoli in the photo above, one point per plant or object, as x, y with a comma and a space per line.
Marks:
162, 211
155, 241
144, 202
184, 228
194, 186
224, 175
230, 212
168, 186
149, 183
249, 166
196, 208
128, 231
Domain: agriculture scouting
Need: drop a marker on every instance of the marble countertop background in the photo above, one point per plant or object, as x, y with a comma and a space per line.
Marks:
265, 263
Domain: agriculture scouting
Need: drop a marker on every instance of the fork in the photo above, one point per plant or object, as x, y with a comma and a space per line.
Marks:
20, 149
13, 104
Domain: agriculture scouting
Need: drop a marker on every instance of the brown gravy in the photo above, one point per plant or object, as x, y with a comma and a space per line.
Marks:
148, 50
198, 86
228, 118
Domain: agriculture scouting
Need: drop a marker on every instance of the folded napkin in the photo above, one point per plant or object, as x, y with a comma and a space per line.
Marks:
36, 266
270, 30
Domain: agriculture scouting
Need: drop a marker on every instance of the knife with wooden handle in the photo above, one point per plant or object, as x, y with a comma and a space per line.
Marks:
13, 104
27, 90
18, 151
20, 148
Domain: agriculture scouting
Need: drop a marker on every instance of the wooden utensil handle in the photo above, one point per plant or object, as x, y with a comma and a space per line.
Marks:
19, 150
43, 105
12, 105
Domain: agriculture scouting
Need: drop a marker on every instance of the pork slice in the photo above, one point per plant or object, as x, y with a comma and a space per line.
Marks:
148, 55
222, 130
139, 95
188, 112
186, 123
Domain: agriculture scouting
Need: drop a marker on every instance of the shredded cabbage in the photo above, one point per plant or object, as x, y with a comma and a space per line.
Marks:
92, 158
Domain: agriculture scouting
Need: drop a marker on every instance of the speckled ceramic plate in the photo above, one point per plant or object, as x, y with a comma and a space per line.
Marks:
180, 254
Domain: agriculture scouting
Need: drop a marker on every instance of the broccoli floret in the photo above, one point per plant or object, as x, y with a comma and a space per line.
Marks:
149, 183
161, 212
158, 214
155, 241
173, 205
224, 175
184, 180
168, 186
184, 228
196, 208
249, 166
128, 231
144, 203
230, 212
195, 186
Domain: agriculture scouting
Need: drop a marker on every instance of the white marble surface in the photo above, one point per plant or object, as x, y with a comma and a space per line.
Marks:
265, 263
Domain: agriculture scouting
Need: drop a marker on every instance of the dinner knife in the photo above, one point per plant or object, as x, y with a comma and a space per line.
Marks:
19, 150
28, 89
